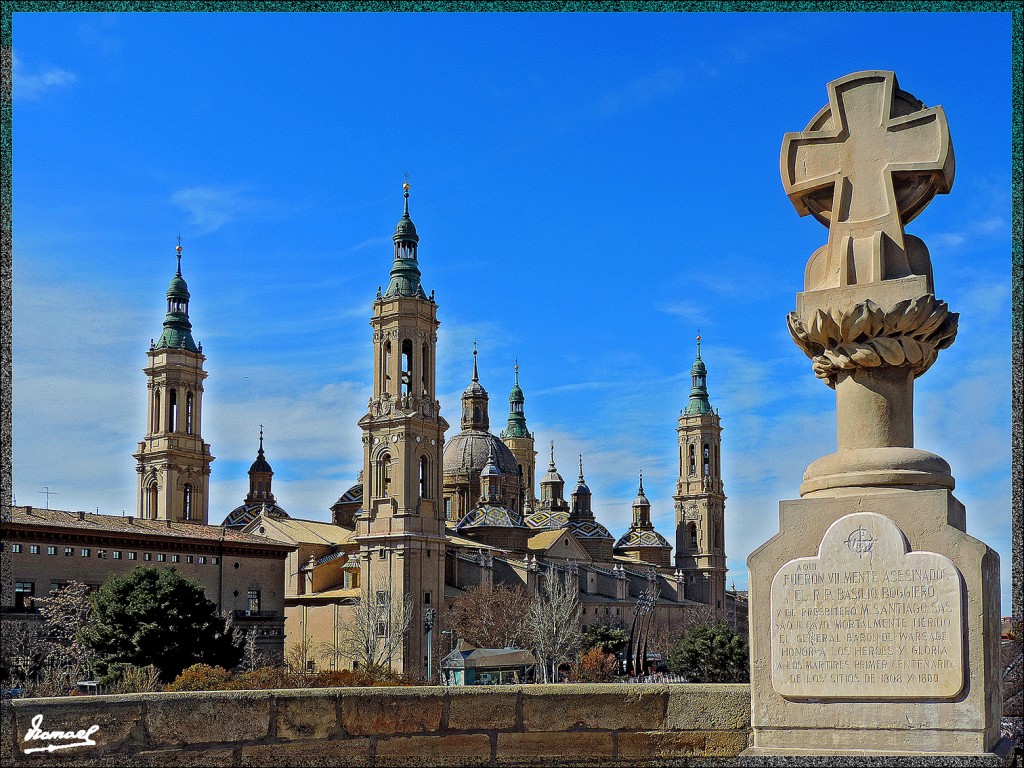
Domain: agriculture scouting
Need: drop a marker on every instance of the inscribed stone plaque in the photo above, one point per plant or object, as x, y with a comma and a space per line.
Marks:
866, 619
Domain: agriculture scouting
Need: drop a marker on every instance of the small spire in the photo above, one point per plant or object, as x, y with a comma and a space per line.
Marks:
517, 371
581, 467
178, 251
698, 343
641, 492
261, 439
405, 214
476, 375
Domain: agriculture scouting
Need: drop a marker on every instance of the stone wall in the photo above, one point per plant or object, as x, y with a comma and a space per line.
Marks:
513, 725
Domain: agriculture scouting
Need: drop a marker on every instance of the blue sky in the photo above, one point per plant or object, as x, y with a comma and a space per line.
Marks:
589, 189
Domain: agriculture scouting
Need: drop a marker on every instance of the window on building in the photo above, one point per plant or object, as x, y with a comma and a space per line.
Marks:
707, 459
382, 597
425, 359
156, 411
55, 587
186, 502
383, 483
382, 629
24, 591
149, 510
132, 555
161, 557
202, 559
693, 460
426, 598
116, 554
448, 508
69, 551
172, 421
254, 600
407, 367
33, 549
189, 559
188, 414
15, 548
424, 483
693, 536
51, 550
85, 552
214, 561
385, 366
147, 556
174, 558
101, 554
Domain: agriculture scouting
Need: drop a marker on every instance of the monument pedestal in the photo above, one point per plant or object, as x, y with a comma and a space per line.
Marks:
874, 629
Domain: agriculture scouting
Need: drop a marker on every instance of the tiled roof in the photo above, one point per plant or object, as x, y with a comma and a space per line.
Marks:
88, 522
306, 531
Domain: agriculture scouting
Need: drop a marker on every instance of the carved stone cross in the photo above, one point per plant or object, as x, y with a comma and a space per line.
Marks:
867, 164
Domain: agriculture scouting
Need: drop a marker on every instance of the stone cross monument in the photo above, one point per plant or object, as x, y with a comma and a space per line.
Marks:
874, 617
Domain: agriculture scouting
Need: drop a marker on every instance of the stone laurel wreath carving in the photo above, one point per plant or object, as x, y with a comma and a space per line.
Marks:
865, 336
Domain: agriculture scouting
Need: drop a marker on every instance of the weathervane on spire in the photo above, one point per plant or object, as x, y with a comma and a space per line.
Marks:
178, 252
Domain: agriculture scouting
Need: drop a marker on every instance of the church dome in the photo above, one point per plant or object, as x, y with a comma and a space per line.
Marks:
261, 464
406, 230
178, 289
636, 538
468, 451
588, 529
490, 516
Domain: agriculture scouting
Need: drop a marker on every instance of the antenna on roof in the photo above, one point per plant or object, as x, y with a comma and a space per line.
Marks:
47, 492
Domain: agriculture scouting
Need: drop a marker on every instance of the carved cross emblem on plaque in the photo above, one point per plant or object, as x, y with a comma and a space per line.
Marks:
865, 166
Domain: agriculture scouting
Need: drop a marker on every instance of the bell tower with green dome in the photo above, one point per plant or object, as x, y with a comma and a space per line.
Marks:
700, 496
520, 441
173, 462
400, 527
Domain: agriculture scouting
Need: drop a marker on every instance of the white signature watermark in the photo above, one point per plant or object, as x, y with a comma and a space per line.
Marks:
36, 733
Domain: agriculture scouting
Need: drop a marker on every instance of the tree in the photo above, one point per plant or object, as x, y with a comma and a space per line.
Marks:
554, 623
595, 666
711, 654
611, 640
377, 629
155, 616
491, 617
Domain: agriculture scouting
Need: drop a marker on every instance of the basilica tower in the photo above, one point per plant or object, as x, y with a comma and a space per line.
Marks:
520, 441
173, 462
400, 529
700, 497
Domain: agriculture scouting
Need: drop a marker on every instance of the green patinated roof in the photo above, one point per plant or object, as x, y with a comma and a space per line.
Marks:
405, 271
699, 403
177, 332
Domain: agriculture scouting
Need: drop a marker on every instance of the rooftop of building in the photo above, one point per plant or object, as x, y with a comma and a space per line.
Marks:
89, 522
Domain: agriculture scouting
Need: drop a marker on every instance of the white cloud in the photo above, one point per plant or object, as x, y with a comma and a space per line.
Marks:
212, 207
32, 85
642, 91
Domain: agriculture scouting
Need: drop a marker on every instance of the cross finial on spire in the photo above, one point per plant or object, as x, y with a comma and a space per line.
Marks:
178, 252
581, 467
476, 376
261, 438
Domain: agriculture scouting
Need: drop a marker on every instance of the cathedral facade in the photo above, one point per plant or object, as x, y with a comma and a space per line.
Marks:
433, 516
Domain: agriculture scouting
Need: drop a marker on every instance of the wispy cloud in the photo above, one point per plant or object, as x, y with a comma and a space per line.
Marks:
212, 207
33, 84
370, 242
642, 91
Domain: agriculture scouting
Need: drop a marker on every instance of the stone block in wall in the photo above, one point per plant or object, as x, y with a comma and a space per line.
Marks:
708, 707
553, 748
118, 721
305, 714
481, 708
179, 758
594, 706
326, 752
210, 716
667, 745
463, 749
391, 710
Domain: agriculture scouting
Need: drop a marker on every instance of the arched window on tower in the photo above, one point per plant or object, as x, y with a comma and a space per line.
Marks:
424, 366
150, 501
693, 459
424, 478
156, 411
718, 461
188, 413
172, 413
476, 414
693, 536
707, 459
407, 367
186, 502
385, 366
383, 476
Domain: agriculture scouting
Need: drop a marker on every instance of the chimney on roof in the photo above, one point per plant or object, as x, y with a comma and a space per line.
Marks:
81, 515
129, 519
168, 522
28, 510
